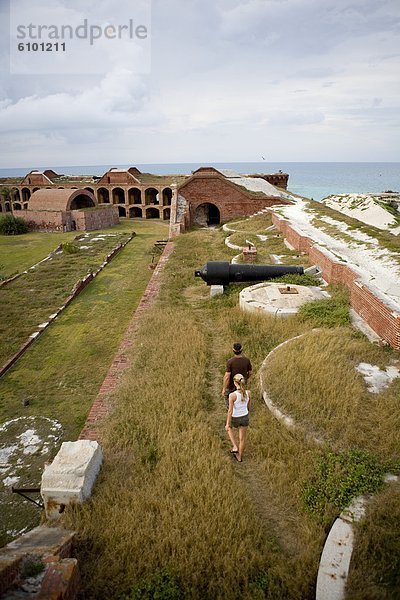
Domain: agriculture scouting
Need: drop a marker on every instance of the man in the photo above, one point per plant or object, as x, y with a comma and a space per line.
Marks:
237, 364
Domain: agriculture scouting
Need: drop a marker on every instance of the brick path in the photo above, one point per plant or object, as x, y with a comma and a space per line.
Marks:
101, 406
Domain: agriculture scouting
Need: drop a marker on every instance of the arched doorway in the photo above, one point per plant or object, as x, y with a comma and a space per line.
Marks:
103, 196
121, 211
135, 213
151, 196
152, 213
207, 214
17, 206
26, 194
167, 214
167, 197
134, 196
118, 196
81, 201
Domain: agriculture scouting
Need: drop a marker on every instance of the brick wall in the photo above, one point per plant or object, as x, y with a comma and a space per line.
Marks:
43, 220
371, 306
88, 220
230, 200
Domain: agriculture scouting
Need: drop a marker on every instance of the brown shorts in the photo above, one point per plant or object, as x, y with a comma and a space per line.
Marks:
240, 421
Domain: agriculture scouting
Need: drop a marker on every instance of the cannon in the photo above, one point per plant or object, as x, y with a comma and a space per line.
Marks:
220, 272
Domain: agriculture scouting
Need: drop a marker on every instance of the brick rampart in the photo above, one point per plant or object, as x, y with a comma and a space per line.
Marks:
370, 305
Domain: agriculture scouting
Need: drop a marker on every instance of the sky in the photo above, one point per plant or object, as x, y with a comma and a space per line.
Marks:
229, 80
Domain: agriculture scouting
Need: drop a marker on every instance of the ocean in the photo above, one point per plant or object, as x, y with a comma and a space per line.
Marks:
311, 179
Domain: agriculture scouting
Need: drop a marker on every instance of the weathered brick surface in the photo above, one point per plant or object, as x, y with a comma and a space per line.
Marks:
232, 202
379, 315
101, 406
61, 581
49, 544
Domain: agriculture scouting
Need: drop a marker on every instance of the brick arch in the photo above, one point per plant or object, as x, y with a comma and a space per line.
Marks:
207, 213
67, 199
152, 213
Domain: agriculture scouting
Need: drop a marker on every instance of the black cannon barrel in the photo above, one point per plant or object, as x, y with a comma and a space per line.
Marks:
220, 272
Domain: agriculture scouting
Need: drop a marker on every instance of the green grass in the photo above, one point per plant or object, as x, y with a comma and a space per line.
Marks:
273, 245
30, 300
18, 253
64, 369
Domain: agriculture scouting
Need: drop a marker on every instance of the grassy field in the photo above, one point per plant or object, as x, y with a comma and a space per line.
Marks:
168, 465
303, 379
274, 244
31, 299
179, 517
18, 253
62, 371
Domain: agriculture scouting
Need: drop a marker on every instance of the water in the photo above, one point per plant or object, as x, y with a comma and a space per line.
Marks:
313, 180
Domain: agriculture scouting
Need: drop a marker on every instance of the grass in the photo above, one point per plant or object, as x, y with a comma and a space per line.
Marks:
31, 299
314, 379
273, 245
18, 253
168, 467
375, 564
63, 370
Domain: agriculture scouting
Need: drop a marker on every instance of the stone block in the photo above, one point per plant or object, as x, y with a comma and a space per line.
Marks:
216, 290
71, 476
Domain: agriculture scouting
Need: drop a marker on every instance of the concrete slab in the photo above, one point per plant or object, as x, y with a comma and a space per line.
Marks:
71, 476
269, 298
335, 562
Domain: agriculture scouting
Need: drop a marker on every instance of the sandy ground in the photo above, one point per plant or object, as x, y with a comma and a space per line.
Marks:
365, 208
376, 267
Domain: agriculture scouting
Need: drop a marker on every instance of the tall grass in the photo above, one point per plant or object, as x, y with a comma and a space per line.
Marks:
172, 504
375, 564
170, 499
314, 379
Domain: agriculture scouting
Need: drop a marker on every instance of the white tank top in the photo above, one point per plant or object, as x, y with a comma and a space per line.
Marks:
240, 408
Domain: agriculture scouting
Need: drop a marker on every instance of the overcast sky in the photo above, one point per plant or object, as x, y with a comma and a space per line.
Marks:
230, 80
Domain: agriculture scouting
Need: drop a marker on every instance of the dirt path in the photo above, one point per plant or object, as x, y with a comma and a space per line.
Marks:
249, 473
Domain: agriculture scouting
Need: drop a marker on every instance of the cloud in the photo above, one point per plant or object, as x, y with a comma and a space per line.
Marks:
226, 76
121, 98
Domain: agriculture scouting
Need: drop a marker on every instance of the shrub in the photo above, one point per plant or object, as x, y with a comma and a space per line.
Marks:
332, 312
340, 478
10, 225
296, 279
70, 248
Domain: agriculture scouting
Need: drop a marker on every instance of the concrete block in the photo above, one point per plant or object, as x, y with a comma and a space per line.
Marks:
71, 476
216, 290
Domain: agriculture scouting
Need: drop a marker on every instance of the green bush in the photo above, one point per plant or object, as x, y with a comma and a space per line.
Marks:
70, 248
340, 478
332, 312
296, 279
162, 586
10, 225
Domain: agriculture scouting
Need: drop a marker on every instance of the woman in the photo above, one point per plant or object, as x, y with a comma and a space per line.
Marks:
238, 415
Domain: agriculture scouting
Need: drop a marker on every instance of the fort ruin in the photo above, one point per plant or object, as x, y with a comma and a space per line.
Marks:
206, 197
